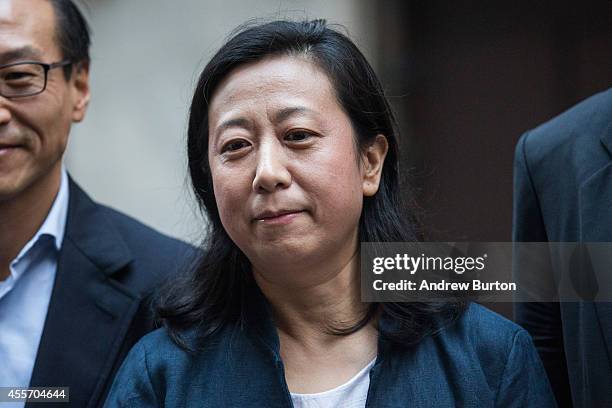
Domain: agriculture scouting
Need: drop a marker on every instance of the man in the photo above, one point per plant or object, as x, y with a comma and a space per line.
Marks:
74, 275
563, 193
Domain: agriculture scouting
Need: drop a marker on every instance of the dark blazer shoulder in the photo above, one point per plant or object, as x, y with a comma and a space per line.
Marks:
577, 131
137, 232
498, 355
485, 331
106, 235
147, 244
487, 323
154, 369
556, 158
593, 113
159, 347
487, 340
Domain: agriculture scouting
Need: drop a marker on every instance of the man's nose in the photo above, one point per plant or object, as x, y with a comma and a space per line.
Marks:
5, 113
271, 173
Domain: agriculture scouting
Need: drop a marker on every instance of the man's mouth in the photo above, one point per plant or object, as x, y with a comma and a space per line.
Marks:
8, 148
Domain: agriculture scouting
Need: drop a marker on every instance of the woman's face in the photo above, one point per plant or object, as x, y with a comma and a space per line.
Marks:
287, 181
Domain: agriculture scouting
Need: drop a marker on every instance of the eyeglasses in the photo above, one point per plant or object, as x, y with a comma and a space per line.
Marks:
26, 78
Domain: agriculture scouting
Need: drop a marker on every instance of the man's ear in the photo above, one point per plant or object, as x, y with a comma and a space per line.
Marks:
373, 158
80, 89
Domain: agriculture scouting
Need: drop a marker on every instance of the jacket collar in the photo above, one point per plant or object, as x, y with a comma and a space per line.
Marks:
257, 319
258, 323
606, 138
89, 312
89, 230
605, 104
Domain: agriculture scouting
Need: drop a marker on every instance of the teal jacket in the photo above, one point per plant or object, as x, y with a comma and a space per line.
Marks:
482, 360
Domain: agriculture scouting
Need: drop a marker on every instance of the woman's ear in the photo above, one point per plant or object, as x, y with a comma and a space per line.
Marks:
373, 158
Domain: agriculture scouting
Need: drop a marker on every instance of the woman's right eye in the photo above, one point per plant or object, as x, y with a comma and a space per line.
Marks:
234, 146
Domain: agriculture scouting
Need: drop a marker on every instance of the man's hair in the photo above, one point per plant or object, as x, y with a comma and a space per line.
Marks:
72, 33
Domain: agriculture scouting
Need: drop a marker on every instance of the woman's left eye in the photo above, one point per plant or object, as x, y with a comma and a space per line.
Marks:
298, 136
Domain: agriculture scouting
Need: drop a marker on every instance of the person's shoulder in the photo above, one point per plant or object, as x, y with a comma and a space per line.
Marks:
103, 233
106, 236
159, 346
140, 234
484, 355
159, 371
163, 354
151, 249
487, 328
505, 356
486, 342
143, 377
486, 336
578, 127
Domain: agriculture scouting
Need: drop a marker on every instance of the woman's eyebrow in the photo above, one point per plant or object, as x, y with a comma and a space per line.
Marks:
234, 122
286, 113
277, 117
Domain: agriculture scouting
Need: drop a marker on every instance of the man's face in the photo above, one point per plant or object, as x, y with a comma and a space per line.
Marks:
34, 130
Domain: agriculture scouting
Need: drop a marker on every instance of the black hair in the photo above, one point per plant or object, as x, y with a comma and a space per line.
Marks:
72, 33
212, 294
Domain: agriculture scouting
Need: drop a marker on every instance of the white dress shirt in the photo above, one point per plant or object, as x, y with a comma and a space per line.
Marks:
25, 295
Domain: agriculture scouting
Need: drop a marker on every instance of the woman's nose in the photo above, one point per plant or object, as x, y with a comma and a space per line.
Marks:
271, 173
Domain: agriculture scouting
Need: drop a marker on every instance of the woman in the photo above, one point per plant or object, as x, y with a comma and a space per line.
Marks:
293, 157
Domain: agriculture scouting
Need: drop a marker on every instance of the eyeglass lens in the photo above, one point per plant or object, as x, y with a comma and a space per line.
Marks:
22, 80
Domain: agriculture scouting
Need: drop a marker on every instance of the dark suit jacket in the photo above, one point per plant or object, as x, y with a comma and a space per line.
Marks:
563, 192
108, 265
482, 360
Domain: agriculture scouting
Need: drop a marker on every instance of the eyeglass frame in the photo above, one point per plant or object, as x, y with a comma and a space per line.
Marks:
46, 67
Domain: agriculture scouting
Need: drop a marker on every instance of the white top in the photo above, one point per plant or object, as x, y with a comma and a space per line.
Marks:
352, 394
25, 295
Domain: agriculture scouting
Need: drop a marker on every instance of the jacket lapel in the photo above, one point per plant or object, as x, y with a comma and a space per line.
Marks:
596, 222
89, 312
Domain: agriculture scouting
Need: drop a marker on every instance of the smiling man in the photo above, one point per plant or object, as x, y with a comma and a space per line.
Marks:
75, 277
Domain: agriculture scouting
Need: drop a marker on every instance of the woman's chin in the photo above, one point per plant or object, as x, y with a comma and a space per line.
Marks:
287, 253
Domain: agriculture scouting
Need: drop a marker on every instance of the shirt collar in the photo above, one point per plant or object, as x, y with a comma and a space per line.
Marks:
55, 223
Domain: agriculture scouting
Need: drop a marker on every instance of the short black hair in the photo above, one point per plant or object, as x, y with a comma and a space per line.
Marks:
72, 33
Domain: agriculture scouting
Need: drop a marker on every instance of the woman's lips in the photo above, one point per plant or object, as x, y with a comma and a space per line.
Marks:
278, 219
